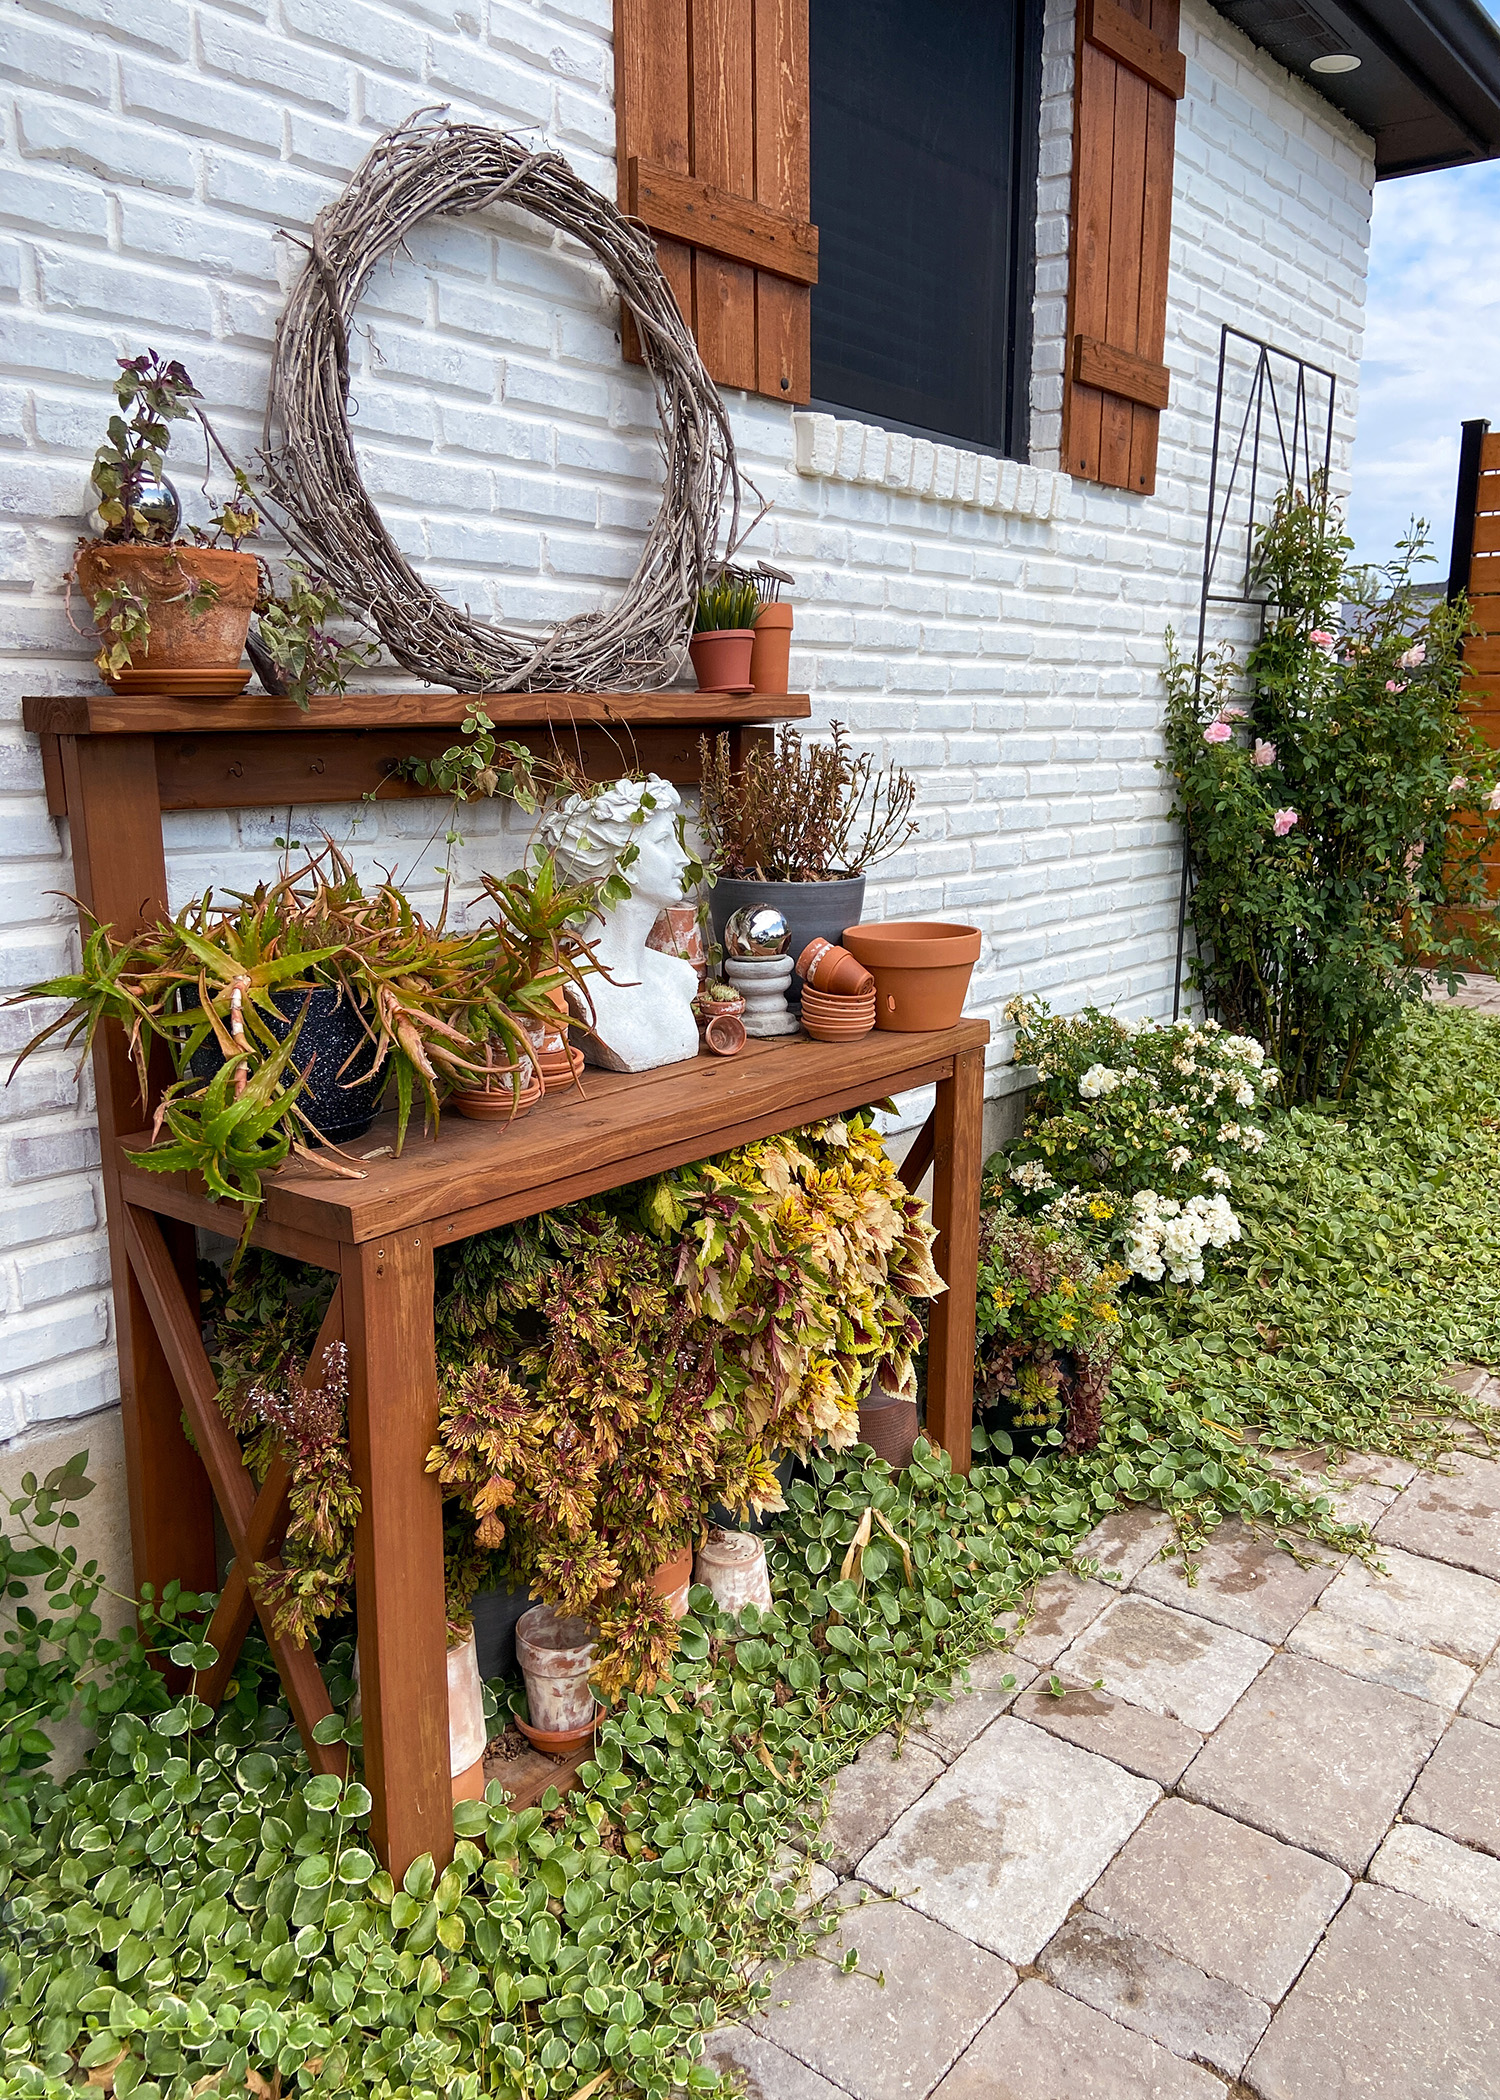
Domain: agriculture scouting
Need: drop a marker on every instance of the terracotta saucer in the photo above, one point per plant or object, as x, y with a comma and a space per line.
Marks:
499, 1106
557, 1742
838, 1031
181, 685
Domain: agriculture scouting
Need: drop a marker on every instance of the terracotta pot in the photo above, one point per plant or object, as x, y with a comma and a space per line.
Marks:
713, 1009
771, 657
673, 1579
560, 1068
497, 1103
721, 659
724, 1035
829, 968
198, 656
922, 969
556, 1654
733, 1565
889, 1425
677, 932
466, 1729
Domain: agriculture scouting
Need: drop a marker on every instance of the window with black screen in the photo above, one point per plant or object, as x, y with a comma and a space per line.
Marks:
924, 133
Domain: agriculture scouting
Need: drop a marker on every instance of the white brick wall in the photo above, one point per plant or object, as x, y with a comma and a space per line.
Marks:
150, 153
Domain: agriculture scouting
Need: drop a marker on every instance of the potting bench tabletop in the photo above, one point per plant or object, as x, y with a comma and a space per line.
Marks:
111, 767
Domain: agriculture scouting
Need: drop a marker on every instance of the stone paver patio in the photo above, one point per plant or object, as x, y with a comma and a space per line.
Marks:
1253, 1849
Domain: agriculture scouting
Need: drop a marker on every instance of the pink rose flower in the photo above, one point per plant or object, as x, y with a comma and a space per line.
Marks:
1392, 687
1233, 711
1457, 784
1495, 798
1322, 639
1417, 654
1283, 821
1217, 733
1264, 754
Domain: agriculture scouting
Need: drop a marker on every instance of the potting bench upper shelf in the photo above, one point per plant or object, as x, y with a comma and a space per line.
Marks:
113, 765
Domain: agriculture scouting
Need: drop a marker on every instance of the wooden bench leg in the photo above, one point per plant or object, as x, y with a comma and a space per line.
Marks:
398, 1547
957, 1164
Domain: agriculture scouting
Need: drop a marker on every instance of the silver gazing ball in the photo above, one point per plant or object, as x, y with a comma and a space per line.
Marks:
755, 932
158, 505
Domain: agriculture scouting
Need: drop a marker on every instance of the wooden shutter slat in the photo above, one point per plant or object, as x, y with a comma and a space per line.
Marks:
652, 121
712, 110
1135, 46
1125, 101
730, 226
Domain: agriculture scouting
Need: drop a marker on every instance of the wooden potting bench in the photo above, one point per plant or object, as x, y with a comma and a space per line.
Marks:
113, 764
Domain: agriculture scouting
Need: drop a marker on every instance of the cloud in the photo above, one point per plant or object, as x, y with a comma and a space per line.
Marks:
1432, 351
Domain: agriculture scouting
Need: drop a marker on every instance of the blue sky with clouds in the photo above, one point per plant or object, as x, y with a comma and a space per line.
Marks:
1432, 350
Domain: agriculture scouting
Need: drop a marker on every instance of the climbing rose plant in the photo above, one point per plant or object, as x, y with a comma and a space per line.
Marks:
1337, 803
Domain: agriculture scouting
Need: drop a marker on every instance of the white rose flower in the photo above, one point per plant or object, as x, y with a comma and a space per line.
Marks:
1178, 1158
1097, 1080
1031, 1174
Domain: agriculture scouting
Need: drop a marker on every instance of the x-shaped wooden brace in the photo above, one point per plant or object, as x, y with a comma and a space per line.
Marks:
255, 1520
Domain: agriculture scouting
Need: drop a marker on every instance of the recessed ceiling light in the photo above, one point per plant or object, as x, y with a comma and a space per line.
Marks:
1336, 62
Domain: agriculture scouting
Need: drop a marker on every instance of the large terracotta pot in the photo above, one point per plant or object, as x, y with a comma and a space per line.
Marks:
921, 969
197, 657
466, 1729
673, 1579
771, 657
721, 659
732, 1564
556, 1654
889, 1425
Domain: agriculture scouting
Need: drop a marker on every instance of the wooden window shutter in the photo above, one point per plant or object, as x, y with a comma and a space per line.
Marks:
711, 119
1128, 82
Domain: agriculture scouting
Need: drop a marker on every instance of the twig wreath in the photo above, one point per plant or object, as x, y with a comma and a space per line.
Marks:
424, 168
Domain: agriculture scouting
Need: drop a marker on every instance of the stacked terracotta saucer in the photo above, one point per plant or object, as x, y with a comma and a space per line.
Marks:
838, 993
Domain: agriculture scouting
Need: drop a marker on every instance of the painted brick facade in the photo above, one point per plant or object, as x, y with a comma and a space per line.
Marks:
150, 157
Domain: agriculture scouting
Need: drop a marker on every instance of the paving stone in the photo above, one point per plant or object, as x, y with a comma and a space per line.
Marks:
1451, 1516
1319, 1758
1127, 1540
1356, 1468
952, 1724
890, 2041
1169, 1661
869, 1795
1226, 1898
1044, 2045
1135, 1983
1062, 1608
1483, 1702
1454, 1877
1240, 1580
1400, 2002
1010, 1836
1420, 1601
1459, 1790
1151, 1744
1381, 1659
768, 2072
791, 1866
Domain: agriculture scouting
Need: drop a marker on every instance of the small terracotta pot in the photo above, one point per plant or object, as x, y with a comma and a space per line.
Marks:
829, 968
199, 657
721, 659
561, 1069
495, 1104
724, 1035
676, 932
733, 1565
673, 1579
556, 1654
771, 657
921, 967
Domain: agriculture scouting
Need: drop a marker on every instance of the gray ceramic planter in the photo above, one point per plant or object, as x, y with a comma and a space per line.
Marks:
810, 909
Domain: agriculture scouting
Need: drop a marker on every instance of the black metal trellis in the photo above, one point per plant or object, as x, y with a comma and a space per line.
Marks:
1278, 399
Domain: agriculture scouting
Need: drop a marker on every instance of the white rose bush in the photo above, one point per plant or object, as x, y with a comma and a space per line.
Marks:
1134, 1133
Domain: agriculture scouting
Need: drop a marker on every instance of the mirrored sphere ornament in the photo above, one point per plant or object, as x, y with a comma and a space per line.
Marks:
754, 932
158, 505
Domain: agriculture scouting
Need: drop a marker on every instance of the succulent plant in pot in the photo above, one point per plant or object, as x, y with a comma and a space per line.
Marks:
285, 1012
796, 826
724, 633
172, 615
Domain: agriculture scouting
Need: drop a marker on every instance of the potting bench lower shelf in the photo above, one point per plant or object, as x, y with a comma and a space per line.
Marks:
378, 1235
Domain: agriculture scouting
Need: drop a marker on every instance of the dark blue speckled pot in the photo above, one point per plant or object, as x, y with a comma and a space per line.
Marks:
340, 1104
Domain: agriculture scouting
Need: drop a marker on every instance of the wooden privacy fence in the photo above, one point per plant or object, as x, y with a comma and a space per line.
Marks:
1475, 568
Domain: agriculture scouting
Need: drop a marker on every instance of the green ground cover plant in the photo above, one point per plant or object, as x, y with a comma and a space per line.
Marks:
192, 1913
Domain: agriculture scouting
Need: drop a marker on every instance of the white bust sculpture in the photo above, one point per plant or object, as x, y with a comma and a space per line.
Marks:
643, 1009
